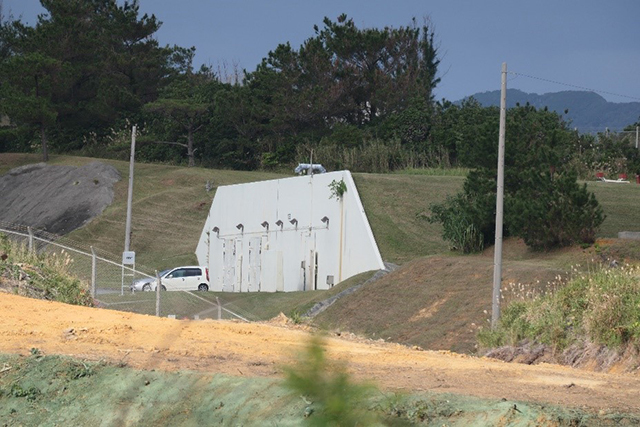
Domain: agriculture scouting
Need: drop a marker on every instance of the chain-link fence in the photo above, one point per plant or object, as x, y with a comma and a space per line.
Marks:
110, 281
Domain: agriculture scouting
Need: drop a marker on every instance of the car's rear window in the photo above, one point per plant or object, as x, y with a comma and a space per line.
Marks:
193, 272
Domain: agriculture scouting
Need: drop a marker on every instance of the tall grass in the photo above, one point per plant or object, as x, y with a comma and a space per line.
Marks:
433, 171
601, 307
40, 275
374, 156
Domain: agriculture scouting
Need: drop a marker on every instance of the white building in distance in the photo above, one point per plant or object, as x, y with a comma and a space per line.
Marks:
291, 234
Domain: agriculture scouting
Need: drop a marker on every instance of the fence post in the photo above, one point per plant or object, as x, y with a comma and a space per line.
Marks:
30, 239
93, 273
158, 287
219, 308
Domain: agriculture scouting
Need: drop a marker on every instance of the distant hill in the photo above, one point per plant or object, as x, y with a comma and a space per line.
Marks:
587, 111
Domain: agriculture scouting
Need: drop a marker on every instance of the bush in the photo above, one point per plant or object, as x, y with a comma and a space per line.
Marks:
550, 211
601, 307
43, 276
334, 400
468, 218
543, 203
458, 226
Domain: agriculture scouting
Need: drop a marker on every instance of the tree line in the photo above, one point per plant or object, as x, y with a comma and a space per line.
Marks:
88, 67
358, 98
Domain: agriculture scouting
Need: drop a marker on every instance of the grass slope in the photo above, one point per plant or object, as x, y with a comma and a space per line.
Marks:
430, 302
621, 204
170, 206
393, 204
439, 302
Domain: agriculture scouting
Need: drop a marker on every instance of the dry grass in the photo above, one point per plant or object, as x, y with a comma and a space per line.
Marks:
440, 302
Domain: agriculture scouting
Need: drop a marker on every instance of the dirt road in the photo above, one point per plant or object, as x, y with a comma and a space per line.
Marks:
240, 349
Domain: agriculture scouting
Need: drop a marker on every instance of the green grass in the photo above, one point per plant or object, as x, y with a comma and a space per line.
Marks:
621, 204
394, 205
254, 306
263, 306
170, 206
13, 160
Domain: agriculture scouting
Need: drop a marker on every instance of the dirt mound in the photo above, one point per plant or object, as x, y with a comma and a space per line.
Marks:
261, 350
57, 199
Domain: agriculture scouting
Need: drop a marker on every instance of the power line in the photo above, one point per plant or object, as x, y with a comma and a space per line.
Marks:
574, 86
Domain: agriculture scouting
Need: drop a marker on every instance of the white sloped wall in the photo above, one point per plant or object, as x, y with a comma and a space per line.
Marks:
292, 256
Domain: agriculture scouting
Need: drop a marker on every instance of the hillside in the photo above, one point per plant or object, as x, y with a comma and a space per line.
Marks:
587, 111
437, 296
165, 371
439, 302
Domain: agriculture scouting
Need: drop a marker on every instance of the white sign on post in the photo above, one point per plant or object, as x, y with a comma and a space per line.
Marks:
128, 258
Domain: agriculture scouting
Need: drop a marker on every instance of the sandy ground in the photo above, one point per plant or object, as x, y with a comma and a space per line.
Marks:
240, 349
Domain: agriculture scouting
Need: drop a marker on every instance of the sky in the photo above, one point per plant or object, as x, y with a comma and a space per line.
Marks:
548, 45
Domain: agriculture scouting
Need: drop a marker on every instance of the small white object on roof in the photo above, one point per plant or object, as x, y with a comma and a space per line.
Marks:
304, 167
618, 181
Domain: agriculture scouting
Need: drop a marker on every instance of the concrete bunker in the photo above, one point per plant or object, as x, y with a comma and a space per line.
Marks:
291, 234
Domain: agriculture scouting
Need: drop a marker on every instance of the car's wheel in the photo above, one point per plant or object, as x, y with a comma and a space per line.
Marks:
147, 287
163, 288
202, 287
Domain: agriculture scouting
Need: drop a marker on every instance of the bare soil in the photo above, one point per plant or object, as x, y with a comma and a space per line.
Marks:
262, 349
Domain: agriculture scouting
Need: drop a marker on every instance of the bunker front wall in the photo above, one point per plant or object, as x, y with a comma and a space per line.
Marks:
287, 235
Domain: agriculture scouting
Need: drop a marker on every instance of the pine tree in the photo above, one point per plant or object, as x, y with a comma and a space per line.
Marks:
544, 205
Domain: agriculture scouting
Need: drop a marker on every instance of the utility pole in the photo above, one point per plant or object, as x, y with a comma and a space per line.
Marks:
127, 234
128, 257
637, 132
158, 289
497, 255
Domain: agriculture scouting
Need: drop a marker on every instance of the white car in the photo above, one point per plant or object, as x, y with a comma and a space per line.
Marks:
186, 278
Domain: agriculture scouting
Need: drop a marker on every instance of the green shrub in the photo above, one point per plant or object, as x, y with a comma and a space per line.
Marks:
458, 225
42, 275
550, 211
337, 189
332, 397
468, 218
600, 307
